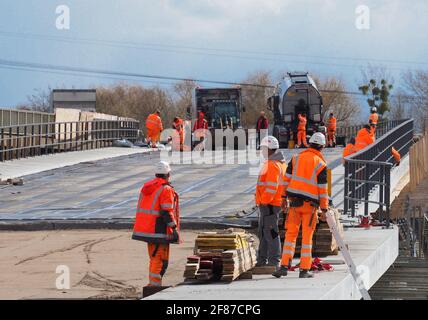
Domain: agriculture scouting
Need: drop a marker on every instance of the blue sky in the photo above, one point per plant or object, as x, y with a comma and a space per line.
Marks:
177, 38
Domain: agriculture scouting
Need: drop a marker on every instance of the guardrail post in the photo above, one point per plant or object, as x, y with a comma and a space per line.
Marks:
366, 188
346, 187
352, 193
387, 194
2, 145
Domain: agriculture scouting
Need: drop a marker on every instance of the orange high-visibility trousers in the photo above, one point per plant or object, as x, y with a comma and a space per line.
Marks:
153, 136
296, 217
301, 138
159, 257
331, 137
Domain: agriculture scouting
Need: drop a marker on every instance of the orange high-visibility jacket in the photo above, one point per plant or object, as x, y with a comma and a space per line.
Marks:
302, 123
374, 117
154, 122
270, 184
306, 177
396, 155
332, 122
348, 150
363, 139
157, 212
200, 123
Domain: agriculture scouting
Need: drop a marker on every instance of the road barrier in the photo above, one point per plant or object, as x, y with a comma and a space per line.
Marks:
27, 140
369, 170
382, 128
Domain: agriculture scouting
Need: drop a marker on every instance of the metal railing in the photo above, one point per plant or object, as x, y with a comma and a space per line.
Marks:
382, 128
370, 169
21, 141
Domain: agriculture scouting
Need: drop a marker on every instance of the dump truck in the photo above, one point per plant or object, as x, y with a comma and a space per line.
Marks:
222, 108
296, 93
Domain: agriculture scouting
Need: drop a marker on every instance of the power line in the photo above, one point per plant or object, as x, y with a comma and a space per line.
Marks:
203, 51
29, 66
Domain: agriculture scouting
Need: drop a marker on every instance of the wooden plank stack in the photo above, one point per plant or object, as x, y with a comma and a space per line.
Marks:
324, 244
221, 256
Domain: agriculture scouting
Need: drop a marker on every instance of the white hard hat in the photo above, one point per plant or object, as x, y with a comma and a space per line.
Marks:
374, 109
317, 138
271, 142
162, 167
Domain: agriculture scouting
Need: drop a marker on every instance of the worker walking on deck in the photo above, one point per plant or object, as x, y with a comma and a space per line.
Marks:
301, 131
269, 190
262, 124
374, 117
157, 221
154, 128
178, 135
331, 130
306, 189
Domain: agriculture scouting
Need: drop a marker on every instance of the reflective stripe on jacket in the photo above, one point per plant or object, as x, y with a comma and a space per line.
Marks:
157, 212
154, 122
271, 181
306, 177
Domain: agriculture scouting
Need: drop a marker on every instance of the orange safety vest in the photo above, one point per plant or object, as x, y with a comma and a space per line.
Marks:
348, 150
306, 177
302, 123
270, 184
374, 117
332, 123
363, 139
154, 122
396, 155
157, 212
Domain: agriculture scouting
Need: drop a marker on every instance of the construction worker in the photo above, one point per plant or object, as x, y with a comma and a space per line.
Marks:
374, 117
372, 130
157, 221
154, 128
178, 136
301, 131
396, 156
262, 124
269, 190
331, 130
306, 189
364, 138
199, 127
349, 149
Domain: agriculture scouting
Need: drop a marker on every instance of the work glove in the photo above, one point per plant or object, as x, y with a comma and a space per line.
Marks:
323, 216
175, 235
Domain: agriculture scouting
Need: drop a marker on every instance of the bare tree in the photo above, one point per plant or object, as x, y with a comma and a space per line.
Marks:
40, 100
184, 92
335, 100
254, 98
415, 84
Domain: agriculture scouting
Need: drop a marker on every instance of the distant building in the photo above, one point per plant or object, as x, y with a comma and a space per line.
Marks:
84, 100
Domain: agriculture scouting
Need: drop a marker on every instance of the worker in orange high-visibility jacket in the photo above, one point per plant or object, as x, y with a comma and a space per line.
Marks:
331, 130
269, 190
374, 117
154, 128
157, 221
364, 138
301, 131
349, 149
396, 155
306, 189
178, 135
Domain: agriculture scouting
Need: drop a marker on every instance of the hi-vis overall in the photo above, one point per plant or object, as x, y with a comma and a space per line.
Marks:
306, 188
157, 215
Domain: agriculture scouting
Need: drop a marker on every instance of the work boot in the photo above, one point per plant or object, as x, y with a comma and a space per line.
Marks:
305, 274
281, 272
260, 264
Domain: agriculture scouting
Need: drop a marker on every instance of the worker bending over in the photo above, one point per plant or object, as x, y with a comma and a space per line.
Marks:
364, 138
301, 131
154, 128
269, 190
331, 130
349, 149
157, 221
306, 189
